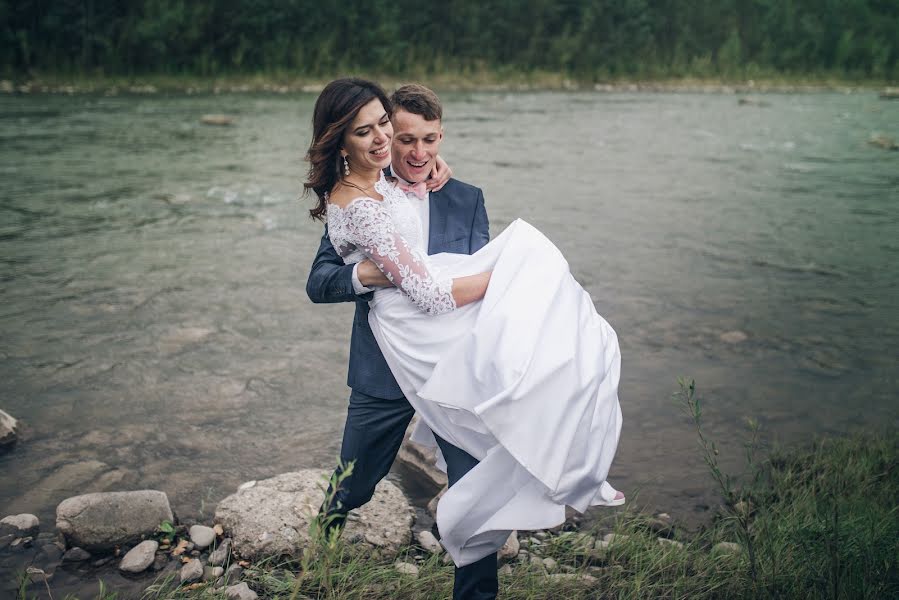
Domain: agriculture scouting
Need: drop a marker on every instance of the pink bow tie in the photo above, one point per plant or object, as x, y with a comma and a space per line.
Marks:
419, 189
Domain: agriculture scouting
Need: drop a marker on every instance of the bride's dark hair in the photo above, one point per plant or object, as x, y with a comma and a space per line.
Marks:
335, 109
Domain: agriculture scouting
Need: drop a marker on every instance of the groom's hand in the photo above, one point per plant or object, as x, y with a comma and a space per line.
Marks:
439, 175
371, 276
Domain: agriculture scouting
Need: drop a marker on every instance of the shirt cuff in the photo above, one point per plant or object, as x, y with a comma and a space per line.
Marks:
357, 285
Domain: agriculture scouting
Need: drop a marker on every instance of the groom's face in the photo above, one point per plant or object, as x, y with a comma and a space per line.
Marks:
415, 145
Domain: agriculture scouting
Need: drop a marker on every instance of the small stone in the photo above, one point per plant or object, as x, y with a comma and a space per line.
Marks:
579, 577
76, 555
21, 525
202, 536
6, 540
659, 526
233, 574
615, 538
726, 548
550, 564
406, 569
22, 542
100, 562
159, 562
212, 573
733, 337
510, 548
505, 569
743, 508
541, 535
221, 554
523, 556
192, 571
37, 575
140, 557
240, 591
195, 553
667, 542
536, 561
221, 120
447, 559
430, 543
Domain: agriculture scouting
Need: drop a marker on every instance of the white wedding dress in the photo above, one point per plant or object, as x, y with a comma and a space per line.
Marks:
526, 380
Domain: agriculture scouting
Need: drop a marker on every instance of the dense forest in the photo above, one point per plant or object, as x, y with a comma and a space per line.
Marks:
585, 39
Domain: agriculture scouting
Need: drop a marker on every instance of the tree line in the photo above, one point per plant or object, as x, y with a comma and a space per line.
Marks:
585, 39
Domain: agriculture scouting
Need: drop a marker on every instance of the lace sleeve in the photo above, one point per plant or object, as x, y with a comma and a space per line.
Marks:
369, 227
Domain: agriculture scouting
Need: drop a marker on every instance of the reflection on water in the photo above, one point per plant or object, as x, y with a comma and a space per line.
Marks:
156, 332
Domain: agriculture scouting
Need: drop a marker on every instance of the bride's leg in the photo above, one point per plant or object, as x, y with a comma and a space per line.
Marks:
479, 580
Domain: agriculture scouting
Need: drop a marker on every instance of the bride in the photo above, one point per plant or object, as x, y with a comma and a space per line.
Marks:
501, 353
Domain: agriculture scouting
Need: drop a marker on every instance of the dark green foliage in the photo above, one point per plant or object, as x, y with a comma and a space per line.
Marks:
590, 40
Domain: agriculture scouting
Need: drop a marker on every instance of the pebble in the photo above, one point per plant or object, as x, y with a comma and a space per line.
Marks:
667, 542
102, 561
536, 561
550, 564
22, 542
22, 525
233, 573
191, 571
212, 573
447, 559
241, 591
76, 555
615, 538
140, 557
406, 569
580, 577
733, 337
430, 543
727, 548
541, 535
510, 548
221, 554
505, 569
160, 562
202, 536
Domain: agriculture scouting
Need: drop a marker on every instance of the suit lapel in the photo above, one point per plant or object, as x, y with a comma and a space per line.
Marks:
437, 207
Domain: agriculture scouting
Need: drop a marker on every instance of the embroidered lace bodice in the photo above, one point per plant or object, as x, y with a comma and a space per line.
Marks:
389, 233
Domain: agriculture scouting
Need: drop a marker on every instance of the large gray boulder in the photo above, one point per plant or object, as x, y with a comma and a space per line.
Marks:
271, 517
9, 430
103, 520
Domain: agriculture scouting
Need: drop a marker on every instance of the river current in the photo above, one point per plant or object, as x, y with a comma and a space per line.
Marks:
156, 332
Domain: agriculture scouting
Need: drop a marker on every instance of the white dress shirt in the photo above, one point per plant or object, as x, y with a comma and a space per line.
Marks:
423, 208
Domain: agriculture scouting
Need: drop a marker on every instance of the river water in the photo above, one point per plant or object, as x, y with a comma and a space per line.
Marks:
156, 332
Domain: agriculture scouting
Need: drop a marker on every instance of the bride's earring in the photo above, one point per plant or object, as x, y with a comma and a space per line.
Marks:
346, 167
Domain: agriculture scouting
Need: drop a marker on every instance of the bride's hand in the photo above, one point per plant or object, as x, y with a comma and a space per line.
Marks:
440, 174
371, 276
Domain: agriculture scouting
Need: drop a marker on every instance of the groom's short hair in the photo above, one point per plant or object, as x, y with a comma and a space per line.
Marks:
418, 100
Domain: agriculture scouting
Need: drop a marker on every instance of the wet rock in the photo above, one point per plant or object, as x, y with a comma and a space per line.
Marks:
733, 337
6, 540
430, 543
660, 526
220, 120
37, 575
100, 562
191, 571
202, 536
76, 555
432, 505
406, 569
510, 548
420, 459
241, 591
724, 548
221, 554
20, 525
51, 552
883, 141
9, 430
139, 558
271, 517
107, 519
21, 543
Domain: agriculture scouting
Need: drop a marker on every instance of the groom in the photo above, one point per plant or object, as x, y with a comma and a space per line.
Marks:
453, 220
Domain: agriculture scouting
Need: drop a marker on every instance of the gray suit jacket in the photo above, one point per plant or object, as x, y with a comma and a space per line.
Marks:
458, 224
